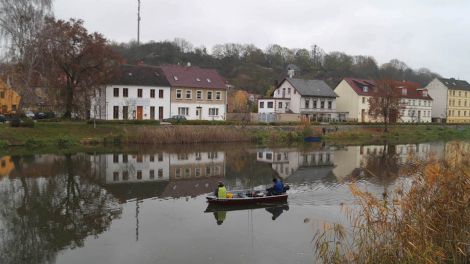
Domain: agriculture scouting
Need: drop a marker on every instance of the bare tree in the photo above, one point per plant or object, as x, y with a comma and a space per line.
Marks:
385, 104
20, 23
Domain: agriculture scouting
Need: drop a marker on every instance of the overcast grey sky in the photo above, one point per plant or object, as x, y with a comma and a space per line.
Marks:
423, 33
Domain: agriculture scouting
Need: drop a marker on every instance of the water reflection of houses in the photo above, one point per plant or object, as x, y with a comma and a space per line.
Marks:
295, 165
159, 175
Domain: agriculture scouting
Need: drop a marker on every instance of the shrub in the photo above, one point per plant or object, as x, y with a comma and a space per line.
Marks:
15, 121
425, 221
65, 141
28, 123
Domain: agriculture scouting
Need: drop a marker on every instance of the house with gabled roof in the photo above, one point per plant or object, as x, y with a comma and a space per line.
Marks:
196, 93
451, 100
138, 92
312, 99
354, 95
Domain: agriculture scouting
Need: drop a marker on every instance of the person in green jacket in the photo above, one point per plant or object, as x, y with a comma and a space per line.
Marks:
221, 191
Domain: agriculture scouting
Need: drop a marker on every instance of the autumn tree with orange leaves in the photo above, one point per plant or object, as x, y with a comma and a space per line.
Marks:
78, 61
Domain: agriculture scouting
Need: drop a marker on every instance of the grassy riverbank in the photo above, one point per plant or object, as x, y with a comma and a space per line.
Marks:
57, 136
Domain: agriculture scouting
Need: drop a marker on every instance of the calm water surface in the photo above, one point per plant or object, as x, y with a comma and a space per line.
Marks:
147, 206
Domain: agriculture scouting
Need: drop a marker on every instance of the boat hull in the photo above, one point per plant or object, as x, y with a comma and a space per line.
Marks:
248, 200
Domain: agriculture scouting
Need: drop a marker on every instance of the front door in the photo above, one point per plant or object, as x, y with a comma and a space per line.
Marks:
160, 112
199, 113
140, 112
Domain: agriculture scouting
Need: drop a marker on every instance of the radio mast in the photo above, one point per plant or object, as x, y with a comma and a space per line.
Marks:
138, 22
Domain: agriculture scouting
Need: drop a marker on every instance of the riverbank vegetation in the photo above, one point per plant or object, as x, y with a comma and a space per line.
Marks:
63, 135
423, 221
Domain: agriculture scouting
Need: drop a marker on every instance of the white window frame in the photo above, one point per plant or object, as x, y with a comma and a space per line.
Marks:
214, 111
190, 93
184, 111
218, 96
209, 93
179, 94
199, 95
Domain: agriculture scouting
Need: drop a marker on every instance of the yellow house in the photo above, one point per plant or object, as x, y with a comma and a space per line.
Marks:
9, 99
451, 100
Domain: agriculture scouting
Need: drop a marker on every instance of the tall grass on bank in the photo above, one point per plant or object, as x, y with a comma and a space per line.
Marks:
185, 135
426, 222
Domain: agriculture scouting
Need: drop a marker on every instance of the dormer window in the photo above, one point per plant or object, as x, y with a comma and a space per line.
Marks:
175, 77
425, 93
365, 89
209, 80
403, 91
198, 80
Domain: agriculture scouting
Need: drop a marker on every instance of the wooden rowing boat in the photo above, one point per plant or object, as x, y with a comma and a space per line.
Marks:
243, 201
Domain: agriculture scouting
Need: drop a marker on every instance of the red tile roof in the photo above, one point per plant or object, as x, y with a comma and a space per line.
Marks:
193, 76
414, 90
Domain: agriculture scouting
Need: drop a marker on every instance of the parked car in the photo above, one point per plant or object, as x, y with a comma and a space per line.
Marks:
175, 119
29, 114
40, 115
3, 119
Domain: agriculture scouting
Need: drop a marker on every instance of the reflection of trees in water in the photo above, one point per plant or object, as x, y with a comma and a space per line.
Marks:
383, 165
40, 216
243, 167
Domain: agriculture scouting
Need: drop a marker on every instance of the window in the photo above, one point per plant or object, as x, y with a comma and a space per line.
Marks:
269, 156
213, 111
116, 92
218, 95
125, 112
270, 104
209, 95
307, 103
140, 158
115, 158
189, 94
183, 111
260, 155
160, 156
208, 171
363, 100
199, 95
314, 104
115, 176
198, 156
116, 112
139, 175
139, 93
403, 91
187, 172
152, 93
322, 104
212, 155
178, 94
125, 92
280, 104
125, 158
178, 173
288, 90
13, 108
209, 80
152, 158
197, 172
2, 94
160, 93
152, 174
160, 173
330, 104
261, 104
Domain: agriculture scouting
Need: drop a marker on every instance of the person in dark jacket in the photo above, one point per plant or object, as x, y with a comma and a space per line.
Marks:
278, 187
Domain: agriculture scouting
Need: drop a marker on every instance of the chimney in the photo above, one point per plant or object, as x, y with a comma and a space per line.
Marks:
188, 64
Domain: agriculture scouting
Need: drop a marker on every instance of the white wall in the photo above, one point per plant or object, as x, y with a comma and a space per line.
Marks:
205, 111
108, 101
413, 106
438, 91
348, 101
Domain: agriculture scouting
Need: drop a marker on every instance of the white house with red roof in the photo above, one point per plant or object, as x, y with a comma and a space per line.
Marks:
353, 97
196, 93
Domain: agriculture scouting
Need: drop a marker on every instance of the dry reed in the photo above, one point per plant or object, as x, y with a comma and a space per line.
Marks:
425, 222
185, 135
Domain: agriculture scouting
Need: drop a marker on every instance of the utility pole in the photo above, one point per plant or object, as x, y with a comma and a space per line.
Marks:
138, 22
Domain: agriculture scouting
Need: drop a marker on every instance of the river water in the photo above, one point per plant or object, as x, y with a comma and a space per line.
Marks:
148, 205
